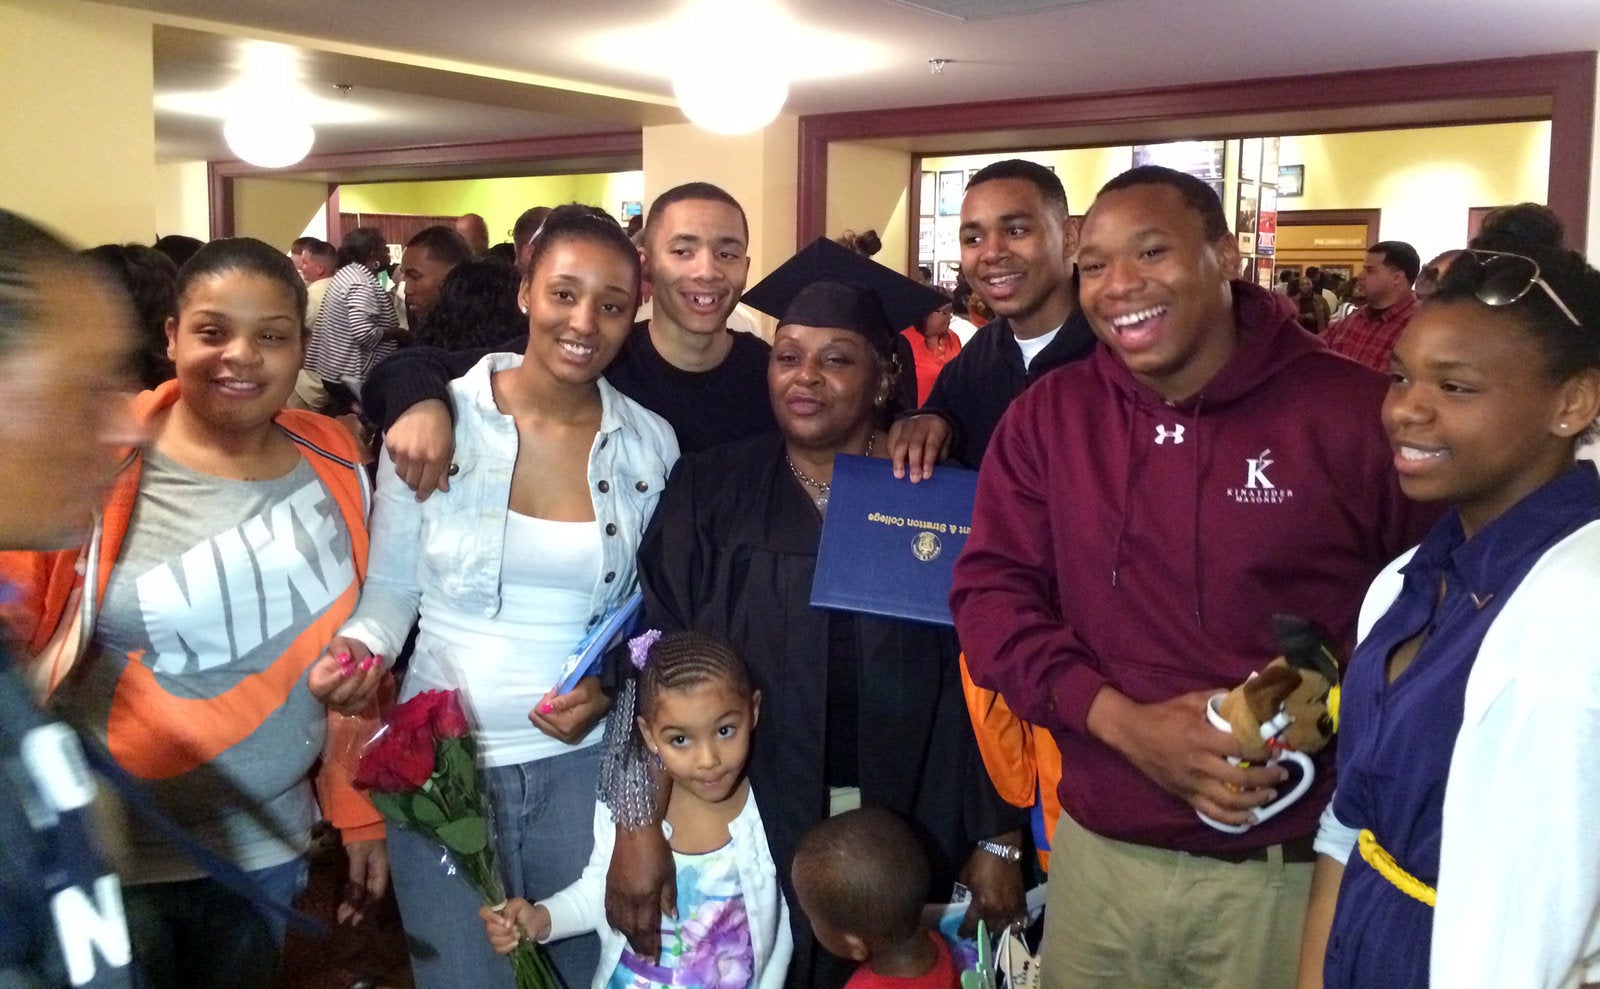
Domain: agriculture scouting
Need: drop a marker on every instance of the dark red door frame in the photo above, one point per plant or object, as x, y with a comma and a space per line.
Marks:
1368, 218
1566, 81
221, 174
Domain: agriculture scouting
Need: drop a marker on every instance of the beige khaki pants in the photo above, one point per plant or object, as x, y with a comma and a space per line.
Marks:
1124, 916
308, 393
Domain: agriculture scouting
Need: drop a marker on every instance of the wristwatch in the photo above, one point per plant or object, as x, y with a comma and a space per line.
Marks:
1010, 853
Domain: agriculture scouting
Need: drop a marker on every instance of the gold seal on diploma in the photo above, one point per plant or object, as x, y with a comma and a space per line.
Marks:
925, 547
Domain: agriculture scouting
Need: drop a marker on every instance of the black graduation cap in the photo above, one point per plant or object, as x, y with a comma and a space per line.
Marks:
827, 284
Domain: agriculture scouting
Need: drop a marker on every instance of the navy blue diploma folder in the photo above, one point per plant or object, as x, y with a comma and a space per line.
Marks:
889, 546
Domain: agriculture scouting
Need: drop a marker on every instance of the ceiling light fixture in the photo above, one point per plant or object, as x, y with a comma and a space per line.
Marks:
744, 88
268, 120
709, 102
266, 137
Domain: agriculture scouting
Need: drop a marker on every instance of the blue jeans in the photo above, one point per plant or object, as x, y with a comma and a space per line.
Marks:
198, 934
544, 832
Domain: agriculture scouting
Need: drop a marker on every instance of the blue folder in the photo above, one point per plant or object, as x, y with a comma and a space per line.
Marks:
889, 546
621, 622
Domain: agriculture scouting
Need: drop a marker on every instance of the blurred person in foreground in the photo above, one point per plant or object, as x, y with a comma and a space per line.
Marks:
223, 555
65, 343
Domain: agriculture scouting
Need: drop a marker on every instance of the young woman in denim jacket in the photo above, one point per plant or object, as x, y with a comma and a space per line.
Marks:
555, 476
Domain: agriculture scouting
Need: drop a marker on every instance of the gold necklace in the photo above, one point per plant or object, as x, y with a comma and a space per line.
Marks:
820, 499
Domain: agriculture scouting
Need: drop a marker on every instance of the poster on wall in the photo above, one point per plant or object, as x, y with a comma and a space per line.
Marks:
925, 240
1264, 272
1269, 160
925, 202
951, 185
1250, 159
1202, 159
947, 274
1291, 180
1245, 218
945, 244
631, 208
1267, 222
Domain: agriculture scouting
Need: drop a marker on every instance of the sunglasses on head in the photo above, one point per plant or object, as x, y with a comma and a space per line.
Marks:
1500, 279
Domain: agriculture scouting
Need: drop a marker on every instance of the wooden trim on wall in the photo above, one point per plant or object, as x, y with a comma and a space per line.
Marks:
335, 220
1475, 217
914, 220
222, 173
1567, 80
397, 228
485, 152
221, 202
1368, 218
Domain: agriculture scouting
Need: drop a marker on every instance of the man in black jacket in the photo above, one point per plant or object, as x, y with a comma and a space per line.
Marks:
1017, 242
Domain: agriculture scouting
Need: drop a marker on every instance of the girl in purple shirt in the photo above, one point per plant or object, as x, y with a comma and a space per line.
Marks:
1470, 864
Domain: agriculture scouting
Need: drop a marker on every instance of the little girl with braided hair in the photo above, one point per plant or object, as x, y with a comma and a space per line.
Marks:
689, 711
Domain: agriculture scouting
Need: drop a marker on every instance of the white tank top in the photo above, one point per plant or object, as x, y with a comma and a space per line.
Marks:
504, 665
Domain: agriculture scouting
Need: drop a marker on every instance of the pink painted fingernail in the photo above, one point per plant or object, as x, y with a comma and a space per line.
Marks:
369, 663
546, 707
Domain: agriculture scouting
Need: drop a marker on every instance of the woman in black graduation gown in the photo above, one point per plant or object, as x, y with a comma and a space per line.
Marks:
848, 700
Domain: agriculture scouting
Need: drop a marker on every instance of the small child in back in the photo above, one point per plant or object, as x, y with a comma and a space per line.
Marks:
862, 878
696, 711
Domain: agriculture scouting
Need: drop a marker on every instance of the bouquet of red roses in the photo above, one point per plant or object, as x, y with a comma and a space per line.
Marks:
419, 771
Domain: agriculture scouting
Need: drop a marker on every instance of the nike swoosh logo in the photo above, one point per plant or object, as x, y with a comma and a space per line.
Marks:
155, 735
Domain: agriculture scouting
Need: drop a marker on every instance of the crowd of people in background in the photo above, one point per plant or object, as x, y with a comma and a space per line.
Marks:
341, 467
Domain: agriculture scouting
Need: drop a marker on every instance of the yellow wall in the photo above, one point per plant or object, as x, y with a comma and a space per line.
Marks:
1423, 180
183, 199
276, 210
760, 170
867, 191
498, 201
77, 118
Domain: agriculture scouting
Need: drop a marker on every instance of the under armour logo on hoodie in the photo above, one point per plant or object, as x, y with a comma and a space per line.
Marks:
1173, 433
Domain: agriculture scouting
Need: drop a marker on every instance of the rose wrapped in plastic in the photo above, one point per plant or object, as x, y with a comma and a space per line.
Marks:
420, 772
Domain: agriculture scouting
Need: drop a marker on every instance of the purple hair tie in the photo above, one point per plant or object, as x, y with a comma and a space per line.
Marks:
639, 647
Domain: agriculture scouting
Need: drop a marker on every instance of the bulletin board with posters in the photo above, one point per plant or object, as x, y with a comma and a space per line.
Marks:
1267, 214
1250, 159
1205, 160
925, 207
1202, 159
951, 186
1267, 222
1245, 217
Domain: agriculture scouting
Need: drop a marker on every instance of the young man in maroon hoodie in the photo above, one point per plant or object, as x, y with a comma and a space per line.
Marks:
1141, 515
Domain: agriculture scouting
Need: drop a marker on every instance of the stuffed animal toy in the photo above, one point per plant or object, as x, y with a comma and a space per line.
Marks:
1294, 702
